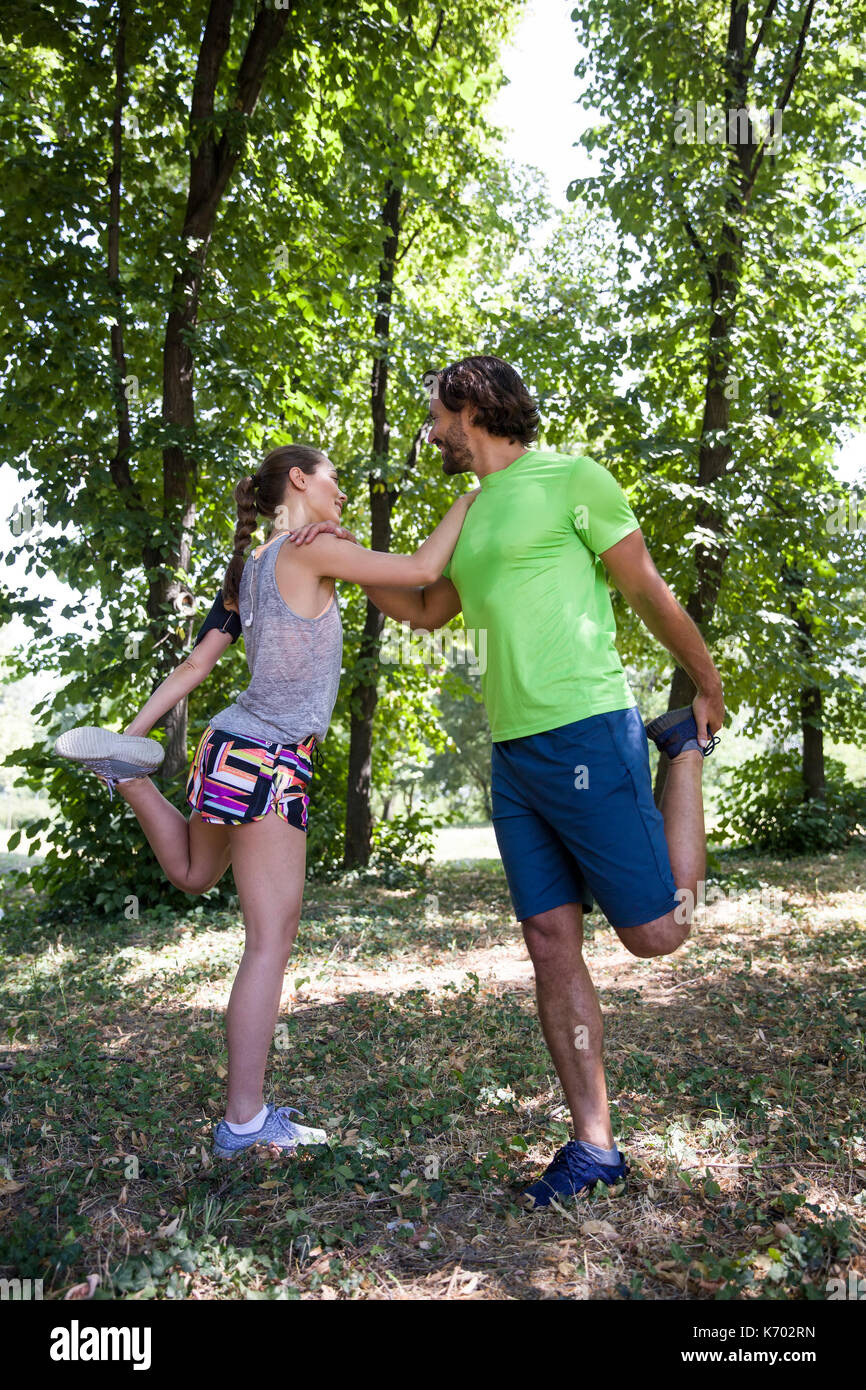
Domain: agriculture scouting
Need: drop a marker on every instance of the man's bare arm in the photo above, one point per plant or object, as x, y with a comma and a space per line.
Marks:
631, 568
429, 607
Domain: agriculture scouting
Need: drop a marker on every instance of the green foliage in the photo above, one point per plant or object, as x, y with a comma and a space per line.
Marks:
96, 858
765, 807
402, 846
462, 769
781, 326
326, 823
281, 349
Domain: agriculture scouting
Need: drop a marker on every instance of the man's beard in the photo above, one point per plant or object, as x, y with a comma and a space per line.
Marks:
456, 458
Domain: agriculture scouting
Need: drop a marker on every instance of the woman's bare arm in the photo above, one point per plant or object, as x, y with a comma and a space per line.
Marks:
342, 559
195, 669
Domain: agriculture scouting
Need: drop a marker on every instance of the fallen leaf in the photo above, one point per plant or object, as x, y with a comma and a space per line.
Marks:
600, 1228
86, 1290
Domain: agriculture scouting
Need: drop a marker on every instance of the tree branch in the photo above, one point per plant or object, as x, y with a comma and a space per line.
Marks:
118, 465
753, 51
439, 24
697, 244
214, 45
798, 56
407, 243
783, 101
412, 455
264, 38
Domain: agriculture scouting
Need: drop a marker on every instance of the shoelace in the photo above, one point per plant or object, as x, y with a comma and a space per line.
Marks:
560, 1161
283, 1116
103, 770
670, 734
573, 1159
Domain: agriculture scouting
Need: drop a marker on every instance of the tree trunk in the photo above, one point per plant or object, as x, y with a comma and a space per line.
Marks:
364, 695
119, 464
811, 709
811, 697
211, 166
722, 273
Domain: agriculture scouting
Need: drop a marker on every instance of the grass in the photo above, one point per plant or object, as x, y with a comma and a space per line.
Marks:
409, 1031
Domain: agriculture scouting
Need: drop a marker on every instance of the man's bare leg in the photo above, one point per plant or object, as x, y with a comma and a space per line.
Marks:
682, 808
571, 1017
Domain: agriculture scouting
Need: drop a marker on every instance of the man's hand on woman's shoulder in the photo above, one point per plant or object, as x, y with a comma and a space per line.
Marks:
306, 533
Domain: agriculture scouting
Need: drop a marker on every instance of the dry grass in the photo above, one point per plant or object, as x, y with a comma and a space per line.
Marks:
734, 1068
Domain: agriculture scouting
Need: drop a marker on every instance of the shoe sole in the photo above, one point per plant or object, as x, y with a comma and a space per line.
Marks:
614, 1189
91, 743
246, 1148
263, 1143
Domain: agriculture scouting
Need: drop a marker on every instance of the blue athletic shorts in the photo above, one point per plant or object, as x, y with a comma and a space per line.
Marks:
574, 815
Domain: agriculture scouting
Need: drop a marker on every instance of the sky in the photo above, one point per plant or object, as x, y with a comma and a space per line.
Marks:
539, 106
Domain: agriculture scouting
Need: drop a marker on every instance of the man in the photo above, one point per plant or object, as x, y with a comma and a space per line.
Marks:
573, 808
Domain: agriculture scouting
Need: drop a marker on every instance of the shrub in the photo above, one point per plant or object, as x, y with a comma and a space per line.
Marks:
402, 847
766, 807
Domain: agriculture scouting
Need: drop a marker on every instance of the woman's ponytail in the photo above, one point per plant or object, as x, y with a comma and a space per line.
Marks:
248, 515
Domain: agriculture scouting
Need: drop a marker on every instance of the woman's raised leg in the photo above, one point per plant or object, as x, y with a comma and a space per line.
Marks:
194, 853
268, 859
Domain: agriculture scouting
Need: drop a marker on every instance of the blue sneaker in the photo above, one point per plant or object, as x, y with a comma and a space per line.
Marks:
676, 732
573, 1171
277, 1129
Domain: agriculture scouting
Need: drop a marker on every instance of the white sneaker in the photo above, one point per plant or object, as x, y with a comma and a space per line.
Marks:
277, 1129
110, 756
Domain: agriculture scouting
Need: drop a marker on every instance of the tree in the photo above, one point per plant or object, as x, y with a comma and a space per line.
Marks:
748, 307
185, 283
428, 145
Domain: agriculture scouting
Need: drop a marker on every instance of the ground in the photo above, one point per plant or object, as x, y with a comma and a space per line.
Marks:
409, 1032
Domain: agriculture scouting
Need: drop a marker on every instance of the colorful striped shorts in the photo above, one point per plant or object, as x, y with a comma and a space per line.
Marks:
234, 779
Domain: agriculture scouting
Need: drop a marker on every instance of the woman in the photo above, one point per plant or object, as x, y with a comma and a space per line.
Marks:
247, 785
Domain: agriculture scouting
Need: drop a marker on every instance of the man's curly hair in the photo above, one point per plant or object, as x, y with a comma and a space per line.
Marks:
499, 402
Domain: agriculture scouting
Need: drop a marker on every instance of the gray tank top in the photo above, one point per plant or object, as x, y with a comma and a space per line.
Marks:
294, 662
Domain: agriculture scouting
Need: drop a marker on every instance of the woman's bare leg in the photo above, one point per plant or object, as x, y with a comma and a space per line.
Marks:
268, 861
194, 853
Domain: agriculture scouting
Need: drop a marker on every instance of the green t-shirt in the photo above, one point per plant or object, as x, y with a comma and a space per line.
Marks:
527, 570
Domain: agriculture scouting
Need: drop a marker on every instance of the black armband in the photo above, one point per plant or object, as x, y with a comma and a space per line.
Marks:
222, 619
